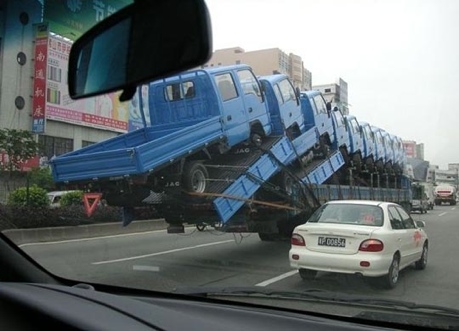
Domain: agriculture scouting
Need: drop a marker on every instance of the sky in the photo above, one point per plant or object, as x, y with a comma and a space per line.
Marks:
399, 58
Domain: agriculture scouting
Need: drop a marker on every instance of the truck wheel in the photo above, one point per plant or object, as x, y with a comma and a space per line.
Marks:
195, 177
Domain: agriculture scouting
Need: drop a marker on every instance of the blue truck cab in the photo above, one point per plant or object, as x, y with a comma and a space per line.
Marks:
369, 144
341, 140
193, 115
284, 105
355, 138
233, 93
388, 143
318, 114
380, 148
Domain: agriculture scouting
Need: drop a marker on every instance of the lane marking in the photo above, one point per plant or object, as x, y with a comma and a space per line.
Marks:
89, 239
278, 278
163, 253
145, 268
453, 208
442, 213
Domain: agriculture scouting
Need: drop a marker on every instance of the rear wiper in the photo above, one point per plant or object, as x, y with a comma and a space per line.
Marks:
314, 295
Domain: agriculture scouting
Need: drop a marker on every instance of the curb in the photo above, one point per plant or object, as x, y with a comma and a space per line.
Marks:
59, 233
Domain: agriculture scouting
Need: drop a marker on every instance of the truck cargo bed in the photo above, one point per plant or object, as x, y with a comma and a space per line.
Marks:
136, 152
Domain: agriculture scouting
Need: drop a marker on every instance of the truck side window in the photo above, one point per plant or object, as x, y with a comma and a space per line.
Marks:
286, 88
278, 94
249, 83
320, 103
178, 91
226, 86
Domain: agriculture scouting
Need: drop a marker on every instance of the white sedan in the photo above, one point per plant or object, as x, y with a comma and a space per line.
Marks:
368, 238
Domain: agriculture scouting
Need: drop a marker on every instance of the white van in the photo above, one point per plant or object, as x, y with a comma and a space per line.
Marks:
55, 198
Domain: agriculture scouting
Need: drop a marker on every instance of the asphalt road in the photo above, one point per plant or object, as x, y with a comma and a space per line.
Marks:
160, 261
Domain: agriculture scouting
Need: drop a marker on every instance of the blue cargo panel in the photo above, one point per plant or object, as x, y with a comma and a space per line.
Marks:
324, 170
246, 185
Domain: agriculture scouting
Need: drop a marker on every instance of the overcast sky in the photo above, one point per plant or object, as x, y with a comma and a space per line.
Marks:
399, 58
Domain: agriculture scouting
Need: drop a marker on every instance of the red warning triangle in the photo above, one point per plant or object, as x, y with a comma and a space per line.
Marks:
90, 207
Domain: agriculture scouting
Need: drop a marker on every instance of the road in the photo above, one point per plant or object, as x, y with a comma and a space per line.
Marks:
160, 261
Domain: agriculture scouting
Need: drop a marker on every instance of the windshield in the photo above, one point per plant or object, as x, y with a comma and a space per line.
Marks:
348, 214
198, 180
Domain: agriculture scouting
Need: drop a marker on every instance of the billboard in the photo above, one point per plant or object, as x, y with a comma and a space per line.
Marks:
103, 112
39, 78
410, 148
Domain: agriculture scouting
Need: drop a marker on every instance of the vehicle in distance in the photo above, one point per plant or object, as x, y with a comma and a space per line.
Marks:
445, 193
368, 238
55, 198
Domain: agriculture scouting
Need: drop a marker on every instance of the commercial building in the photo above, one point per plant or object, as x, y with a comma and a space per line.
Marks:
265, 62
414, 150
336, 94
33, 73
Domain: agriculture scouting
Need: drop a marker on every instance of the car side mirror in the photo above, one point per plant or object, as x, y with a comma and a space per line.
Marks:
420, 224
329, 106
144, 41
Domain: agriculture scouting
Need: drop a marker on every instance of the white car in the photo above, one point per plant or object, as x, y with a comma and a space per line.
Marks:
368, 238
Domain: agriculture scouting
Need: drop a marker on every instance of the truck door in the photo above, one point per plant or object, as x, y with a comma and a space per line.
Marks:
234, 117
341, 135
289, 107
356, 135
323, 118
255, 106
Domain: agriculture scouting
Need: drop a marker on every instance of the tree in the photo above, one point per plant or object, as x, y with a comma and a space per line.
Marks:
18, 146
43, 178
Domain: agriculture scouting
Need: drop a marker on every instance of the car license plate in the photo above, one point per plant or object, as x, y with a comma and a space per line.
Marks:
333, 242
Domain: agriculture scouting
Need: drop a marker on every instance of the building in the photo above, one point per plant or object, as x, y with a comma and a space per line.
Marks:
265, 62
336, 94
61, 125
414, 150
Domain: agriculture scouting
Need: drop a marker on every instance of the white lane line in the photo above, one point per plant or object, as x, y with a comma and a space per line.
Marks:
453, 208
442, 214
163, 253
89, 239
145, 268
278, 278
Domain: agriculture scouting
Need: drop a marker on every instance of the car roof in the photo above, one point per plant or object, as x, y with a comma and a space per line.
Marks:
360, 202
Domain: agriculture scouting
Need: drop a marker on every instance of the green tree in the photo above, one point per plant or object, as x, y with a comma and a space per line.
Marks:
43, 178
19, 146
37, 197
72, 199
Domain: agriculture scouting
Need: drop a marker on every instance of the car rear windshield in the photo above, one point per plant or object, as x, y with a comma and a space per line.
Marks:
359, 214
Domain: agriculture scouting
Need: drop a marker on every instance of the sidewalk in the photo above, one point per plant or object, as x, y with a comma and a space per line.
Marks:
25, 236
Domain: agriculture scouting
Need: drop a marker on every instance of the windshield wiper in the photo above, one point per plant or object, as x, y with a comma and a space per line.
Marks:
314, 295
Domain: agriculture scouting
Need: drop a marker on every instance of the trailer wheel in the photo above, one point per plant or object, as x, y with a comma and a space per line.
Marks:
195, 177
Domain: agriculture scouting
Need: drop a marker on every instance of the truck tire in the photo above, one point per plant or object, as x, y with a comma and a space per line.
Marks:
195, 177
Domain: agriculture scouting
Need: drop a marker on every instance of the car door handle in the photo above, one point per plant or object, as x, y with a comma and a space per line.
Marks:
229, 117
250, 109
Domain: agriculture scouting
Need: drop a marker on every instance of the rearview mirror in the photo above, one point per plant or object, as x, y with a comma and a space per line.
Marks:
144, 41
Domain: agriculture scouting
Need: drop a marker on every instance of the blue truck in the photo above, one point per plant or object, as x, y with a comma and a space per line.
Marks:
226, 148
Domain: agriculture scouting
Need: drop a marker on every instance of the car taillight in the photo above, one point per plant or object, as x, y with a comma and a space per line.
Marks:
371, 245
297, 240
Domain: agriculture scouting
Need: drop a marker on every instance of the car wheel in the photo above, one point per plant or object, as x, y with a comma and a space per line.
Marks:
307, 274
422, 262
390, 280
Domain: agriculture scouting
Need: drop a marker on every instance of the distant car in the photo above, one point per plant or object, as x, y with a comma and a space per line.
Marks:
369, 238
421, 205
55, 198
